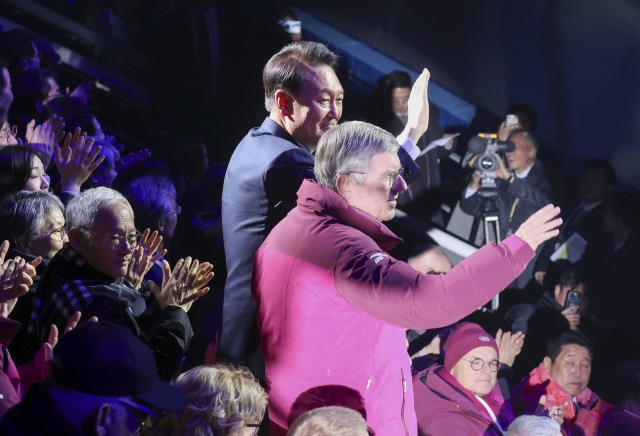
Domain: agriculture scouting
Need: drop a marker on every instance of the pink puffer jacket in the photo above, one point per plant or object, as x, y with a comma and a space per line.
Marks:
333, 306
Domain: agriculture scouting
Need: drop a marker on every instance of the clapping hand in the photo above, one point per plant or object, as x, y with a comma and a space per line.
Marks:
16, 275
509, 345
77, 159
143, 257
184, 285
82, 92
42, 139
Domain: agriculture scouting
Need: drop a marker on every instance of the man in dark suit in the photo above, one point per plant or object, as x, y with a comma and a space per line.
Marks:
304, 99
523, 189
597, 178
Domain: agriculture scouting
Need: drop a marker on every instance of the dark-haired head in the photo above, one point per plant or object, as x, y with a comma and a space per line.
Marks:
188, 163
18, 48
16, 165
286, 70
568, 361
623, 206
555, 345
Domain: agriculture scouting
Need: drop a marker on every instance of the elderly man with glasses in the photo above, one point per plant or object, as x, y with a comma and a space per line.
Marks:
100, 273
333, 305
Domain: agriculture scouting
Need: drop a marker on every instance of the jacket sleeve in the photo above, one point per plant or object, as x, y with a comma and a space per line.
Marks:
392, 291
410, 166
471, 204
169, 339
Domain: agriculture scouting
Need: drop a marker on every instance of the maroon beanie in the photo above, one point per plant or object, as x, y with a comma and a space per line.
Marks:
463, 339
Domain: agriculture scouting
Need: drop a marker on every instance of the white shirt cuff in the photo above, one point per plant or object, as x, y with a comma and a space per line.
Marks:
409, 146
469, 192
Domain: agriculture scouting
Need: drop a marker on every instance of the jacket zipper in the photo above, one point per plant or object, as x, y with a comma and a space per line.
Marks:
135, 323
404, 390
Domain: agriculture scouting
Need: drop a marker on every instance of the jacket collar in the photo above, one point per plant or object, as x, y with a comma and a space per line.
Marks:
313, 198
270, 127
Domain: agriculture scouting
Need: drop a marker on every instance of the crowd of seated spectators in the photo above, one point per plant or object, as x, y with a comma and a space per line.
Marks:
113, 269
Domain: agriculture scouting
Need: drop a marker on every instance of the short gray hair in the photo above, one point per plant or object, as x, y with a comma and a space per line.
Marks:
82, 210
349, 147
530, 425
24, 212
329, 421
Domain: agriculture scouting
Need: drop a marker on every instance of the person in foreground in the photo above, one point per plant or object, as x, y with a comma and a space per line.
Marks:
223, 401
329, 421
563, 377
462, 397
530, 425
102, 381
325, 270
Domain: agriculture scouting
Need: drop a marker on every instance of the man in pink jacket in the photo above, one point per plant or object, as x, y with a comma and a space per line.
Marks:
333, 305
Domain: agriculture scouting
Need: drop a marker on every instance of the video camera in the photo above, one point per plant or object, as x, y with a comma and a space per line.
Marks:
483, 146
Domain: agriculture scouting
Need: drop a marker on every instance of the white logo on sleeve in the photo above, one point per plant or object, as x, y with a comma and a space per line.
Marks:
377, 257
484, 338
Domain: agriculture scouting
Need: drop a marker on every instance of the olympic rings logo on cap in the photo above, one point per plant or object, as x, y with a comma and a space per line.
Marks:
484, 338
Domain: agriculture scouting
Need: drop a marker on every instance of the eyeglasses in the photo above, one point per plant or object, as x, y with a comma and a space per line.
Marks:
118, 242
256, 428
147, 416
61, 233
178, 211
11, 132
393, 177
478, 364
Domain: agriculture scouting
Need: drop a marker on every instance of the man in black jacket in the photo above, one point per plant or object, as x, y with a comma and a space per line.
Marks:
523, 188
100, 271
102, 381
304, 99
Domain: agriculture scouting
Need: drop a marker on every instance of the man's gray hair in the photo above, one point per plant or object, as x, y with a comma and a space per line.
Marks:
529, 425
348, 148
24, 212
82, 210
329, 421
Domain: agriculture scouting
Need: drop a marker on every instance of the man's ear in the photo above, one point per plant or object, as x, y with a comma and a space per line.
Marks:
161, 223
284, 103
24, 65
344, 184
546, 362
40, 108
103, 420
24, 243
76, 238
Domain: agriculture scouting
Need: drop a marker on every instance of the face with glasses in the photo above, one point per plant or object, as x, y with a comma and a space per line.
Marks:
8, 135
50, 239
477, 371
376, 190
108, 244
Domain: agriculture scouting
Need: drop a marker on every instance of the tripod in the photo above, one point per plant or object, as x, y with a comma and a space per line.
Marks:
488, 215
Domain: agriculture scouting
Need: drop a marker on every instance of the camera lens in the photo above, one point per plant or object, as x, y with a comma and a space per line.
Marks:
486, 163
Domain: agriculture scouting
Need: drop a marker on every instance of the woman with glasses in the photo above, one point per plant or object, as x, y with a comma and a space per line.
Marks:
462, 397
223, 401
34, 225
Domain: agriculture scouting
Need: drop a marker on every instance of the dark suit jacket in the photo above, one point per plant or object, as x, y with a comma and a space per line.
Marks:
260, 186
591, 228
532, 193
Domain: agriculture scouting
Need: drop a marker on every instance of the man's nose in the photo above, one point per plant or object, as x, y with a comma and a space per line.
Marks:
401, 185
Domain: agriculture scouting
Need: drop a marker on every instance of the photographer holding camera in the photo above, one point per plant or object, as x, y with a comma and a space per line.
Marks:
522, 188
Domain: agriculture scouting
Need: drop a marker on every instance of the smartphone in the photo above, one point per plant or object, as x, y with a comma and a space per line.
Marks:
574, 298
512, 119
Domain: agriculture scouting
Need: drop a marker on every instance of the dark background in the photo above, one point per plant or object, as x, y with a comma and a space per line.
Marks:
575, 61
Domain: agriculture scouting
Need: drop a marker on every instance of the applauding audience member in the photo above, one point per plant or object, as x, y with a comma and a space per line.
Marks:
33, 223
21, 170
100, 272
